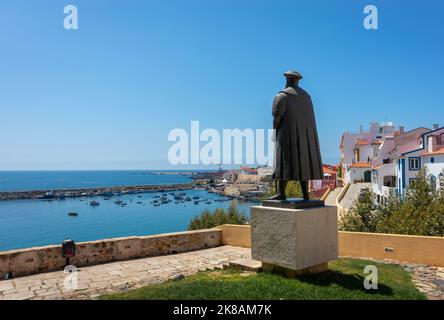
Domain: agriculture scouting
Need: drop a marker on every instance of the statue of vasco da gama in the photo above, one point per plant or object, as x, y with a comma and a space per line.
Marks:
297, 155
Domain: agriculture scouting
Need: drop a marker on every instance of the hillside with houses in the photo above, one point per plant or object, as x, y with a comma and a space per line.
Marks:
388, 158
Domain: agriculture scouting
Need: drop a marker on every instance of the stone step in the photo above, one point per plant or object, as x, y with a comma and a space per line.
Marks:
247, 264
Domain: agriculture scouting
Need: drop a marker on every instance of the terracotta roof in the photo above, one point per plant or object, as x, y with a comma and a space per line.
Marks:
377, 142
361, 142
361, 165
436, 152
328, 170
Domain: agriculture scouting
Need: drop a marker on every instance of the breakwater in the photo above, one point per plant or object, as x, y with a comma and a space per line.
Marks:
92, 192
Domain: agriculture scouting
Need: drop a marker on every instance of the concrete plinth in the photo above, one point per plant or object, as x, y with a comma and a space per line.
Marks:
300, 240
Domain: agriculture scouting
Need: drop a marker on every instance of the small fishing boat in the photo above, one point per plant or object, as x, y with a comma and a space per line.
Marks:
94, 203
196, 202
73, 214
118, 201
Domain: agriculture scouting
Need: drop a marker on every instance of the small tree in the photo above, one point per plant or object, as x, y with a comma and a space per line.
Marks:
420, 212
293, 190
339, 171
362, 216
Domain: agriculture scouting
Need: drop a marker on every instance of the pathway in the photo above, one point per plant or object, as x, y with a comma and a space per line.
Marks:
332, 196
353, 193
119, 276
429, 280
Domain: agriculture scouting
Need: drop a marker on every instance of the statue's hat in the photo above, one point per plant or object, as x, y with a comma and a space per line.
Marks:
293, 74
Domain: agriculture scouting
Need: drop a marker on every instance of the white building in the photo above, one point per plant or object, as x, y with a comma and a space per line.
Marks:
401, 157
429, 154
359, 149
384, 178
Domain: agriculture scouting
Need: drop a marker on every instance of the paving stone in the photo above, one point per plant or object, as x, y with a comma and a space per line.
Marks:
94, 281
6, 285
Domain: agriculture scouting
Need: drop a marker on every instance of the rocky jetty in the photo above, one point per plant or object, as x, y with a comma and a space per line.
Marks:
91, 192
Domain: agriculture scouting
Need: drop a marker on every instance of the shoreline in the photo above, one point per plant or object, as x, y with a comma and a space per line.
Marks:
92, 192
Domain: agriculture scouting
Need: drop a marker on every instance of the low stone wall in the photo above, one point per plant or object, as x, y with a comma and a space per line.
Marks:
43, 259
404, 248
236, 235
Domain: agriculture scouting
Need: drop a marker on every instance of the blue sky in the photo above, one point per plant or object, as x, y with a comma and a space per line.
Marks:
106, 96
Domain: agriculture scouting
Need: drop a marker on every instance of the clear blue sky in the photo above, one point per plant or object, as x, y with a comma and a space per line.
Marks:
106, 96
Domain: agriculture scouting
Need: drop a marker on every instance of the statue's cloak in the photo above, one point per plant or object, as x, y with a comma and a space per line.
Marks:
297, 154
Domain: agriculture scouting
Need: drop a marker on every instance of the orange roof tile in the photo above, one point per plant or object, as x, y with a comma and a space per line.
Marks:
436, 152
361, 142
328, 170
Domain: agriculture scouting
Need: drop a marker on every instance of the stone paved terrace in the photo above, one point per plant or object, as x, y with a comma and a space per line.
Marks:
119, 276
125, 275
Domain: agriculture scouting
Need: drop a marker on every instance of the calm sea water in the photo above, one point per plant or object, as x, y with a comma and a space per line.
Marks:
43, 180
28, 223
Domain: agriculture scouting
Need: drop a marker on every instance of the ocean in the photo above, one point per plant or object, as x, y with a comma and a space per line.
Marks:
29, 223
48, 180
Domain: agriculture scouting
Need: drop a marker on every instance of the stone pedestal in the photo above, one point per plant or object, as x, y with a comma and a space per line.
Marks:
300, 240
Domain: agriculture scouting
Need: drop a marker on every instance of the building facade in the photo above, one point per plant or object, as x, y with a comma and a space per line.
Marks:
391, 158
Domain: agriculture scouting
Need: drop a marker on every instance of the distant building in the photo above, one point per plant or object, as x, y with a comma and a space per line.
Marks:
231, 176
264, 171
248, 170
330, 179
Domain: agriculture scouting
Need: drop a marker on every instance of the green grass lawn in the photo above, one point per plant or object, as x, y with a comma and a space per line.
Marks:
344, 280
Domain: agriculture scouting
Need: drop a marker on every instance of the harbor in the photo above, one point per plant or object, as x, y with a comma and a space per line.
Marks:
45, 222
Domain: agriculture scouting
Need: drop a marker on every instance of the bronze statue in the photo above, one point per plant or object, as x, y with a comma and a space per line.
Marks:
297, 156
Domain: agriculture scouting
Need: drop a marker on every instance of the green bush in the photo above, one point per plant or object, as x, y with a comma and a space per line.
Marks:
293, 190
362, 216
208, 219
419, 212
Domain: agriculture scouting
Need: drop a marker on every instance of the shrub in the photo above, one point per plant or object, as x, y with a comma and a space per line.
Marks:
208, 219
362, 216
293, 190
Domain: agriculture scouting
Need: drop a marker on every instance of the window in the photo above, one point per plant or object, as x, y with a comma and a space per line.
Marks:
415, 163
